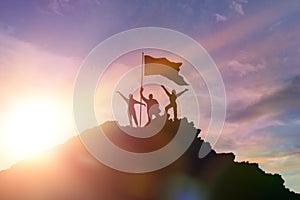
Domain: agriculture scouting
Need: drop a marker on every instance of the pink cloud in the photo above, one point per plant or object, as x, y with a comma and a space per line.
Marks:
246, 26
244, 69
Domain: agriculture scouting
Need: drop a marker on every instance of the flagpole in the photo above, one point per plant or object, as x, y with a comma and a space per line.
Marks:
142, 80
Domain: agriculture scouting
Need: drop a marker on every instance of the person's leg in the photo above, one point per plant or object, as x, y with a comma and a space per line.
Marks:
149, 117
175, 111
167, 108
135, 119
130, 119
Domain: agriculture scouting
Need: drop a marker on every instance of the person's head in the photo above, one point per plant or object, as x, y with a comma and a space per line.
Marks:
173, 92
130, 96
150, 96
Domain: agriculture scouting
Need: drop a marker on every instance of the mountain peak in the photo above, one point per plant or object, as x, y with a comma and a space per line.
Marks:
70, 172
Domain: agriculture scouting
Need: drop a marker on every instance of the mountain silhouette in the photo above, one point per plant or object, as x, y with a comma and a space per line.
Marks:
70, 172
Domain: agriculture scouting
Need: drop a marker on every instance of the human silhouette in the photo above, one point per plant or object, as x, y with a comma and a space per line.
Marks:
152, 106
172, 97
131, 110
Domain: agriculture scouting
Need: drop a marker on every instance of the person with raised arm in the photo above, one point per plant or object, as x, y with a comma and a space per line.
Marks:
151, 104
172, 97
131, 110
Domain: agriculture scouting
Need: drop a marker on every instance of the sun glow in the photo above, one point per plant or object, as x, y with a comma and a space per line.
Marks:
33, 127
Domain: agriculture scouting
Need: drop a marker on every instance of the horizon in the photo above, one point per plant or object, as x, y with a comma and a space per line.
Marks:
254, 44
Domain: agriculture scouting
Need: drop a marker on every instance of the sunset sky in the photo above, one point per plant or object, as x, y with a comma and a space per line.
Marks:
255, 45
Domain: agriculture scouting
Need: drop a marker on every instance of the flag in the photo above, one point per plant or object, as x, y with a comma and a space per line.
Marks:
163, 67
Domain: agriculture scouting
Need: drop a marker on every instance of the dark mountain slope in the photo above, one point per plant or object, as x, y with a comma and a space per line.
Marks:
69, 172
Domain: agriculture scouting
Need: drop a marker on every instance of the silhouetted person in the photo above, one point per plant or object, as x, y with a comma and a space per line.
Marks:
152, 106
172, 97
131, 110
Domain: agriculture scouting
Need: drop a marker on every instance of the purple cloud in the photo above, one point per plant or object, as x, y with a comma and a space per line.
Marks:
283, 101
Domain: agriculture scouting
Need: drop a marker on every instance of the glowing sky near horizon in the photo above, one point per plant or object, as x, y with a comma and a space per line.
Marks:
255, 44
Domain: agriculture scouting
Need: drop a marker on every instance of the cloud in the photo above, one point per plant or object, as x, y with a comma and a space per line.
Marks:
23, 61
244, 69
7, 29
251, 25
237, 6
58, 6
271, 143
275, 25
29, 71
220, 18
262, 118
283, 101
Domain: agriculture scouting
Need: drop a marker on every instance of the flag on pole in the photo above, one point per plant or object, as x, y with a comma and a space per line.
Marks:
163, 67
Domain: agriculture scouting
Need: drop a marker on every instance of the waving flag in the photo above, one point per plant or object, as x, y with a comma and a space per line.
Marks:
163, 67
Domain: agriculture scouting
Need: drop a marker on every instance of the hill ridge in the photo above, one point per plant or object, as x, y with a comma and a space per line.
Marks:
69, 171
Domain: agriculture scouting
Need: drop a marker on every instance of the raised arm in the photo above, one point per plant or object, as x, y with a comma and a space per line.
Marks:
137, 102
167, 92
142, 96
126, 99
180, 93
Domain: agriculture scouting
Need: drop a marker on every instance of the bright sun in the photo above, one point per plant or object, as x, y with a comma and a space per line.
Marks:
32, 127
